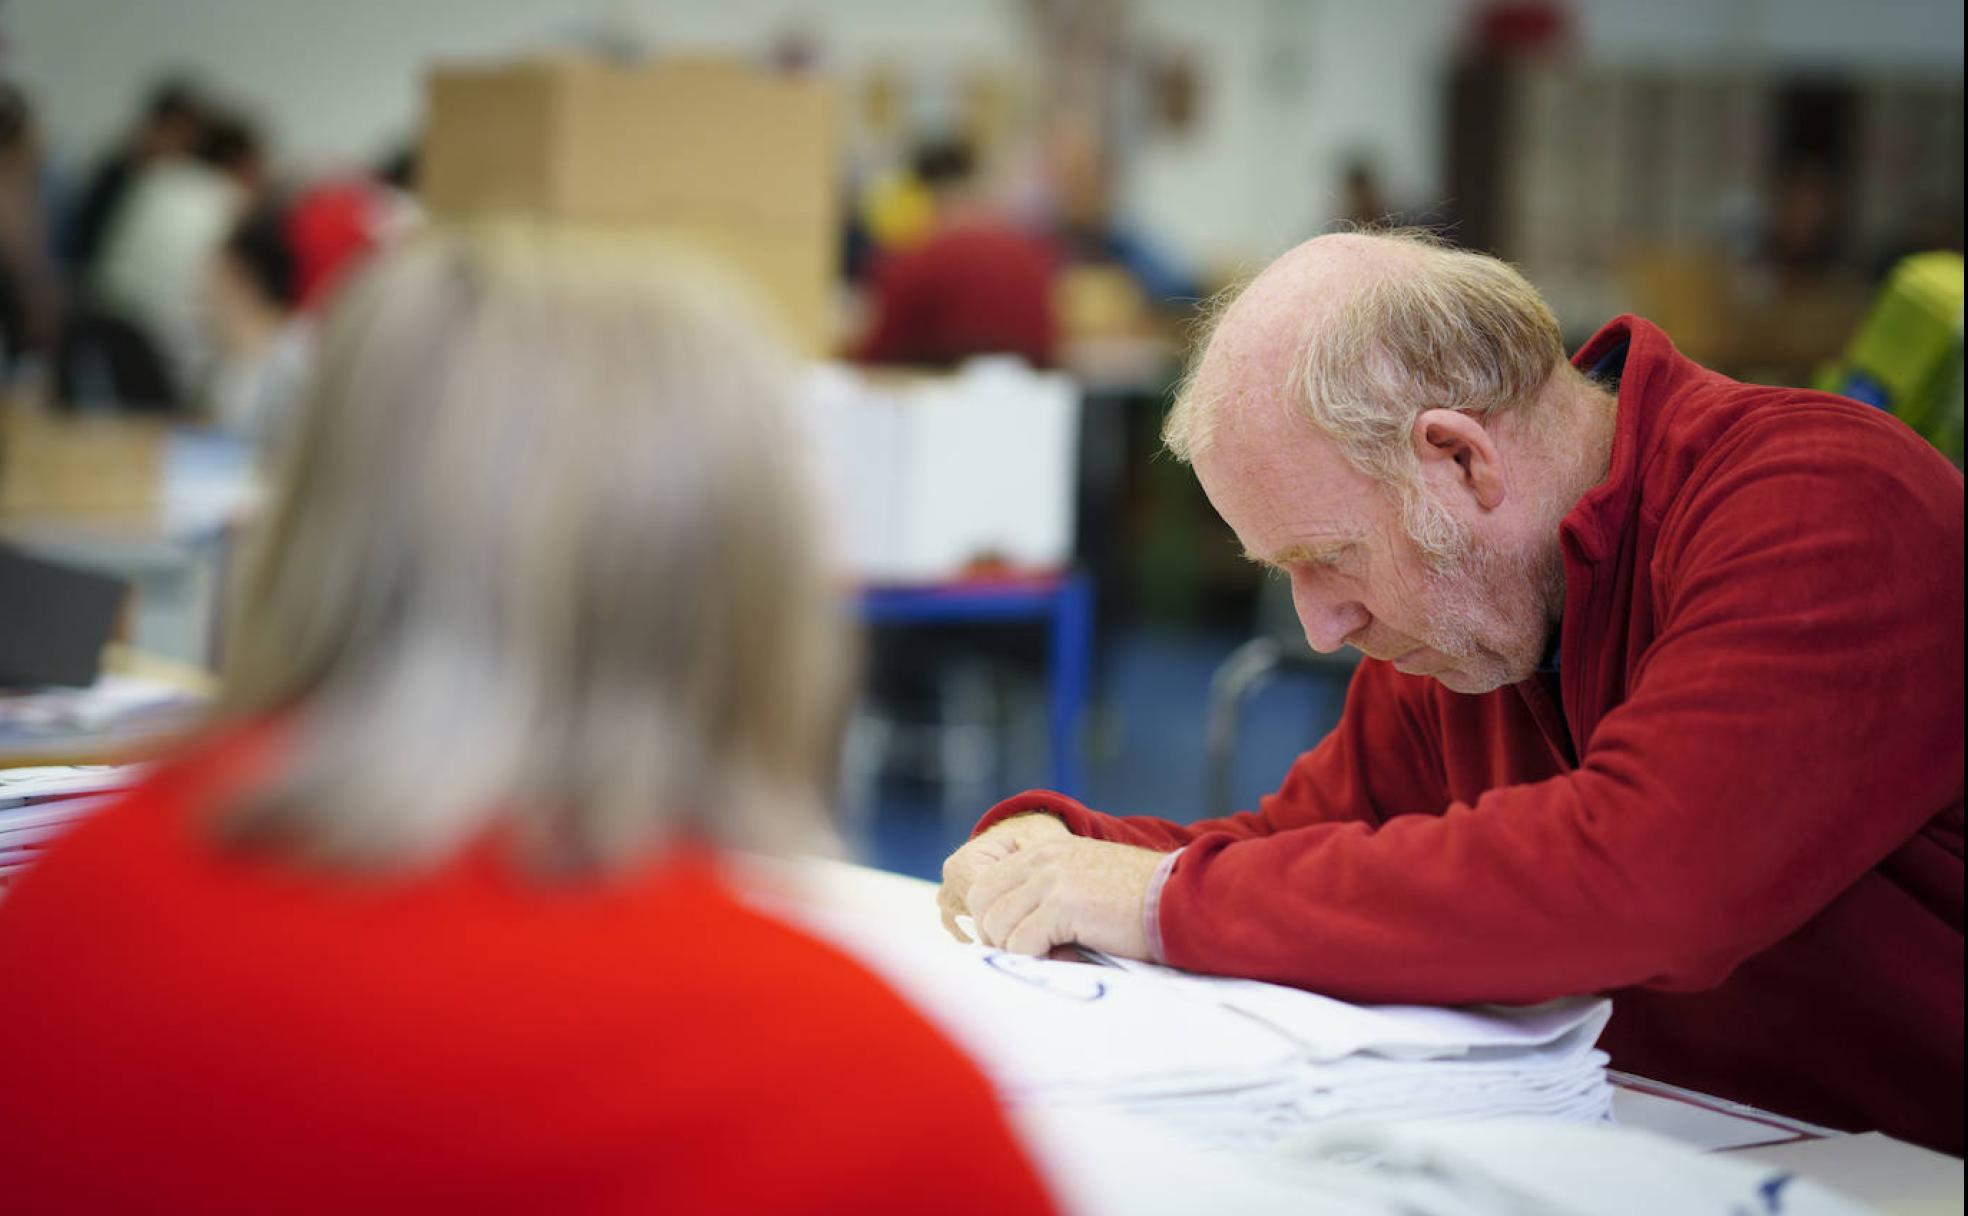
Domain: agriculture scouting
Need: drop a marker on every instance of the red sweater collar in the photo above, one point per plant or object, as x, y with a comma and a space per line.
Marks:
1590, 531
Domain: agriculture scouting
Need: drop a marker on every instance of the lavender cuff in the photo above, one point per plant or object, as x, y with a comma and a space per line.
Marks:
1151, 908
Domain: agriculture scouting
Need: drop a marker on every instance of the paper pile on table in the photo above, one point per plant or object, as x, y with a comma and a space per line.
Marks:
116, 707
1407, 1061
39, 804
1234, 1062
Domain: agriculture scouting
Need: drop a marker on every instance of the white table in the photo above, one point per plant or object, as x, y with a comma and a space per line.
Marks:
1886, 1174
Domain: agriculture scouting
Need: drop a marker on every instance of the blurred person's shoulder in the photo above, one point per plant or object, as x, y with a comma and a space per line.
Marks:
875, 1090
153, 815
651, 1017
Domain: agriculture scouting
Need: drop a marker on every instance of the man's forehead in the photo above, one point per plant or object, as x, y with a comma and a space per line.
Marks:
1286, 492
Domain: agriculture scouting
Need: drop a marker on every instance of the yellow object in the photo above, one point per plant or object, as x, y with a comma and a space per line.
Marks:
1907, 355
898, 211
1099, 302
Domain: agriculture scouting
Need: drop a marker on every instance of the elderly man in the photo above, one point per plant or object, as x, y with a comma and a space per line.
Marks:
1662, 697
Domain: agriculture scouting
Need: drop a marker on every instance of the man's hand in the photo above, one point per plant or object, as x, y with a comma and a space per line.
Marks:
1065, 890
1001, 840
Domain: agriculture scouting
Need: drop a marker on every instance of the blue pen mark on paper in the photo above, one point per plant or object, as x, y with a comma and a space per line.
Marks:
1771, 1192
1060, 979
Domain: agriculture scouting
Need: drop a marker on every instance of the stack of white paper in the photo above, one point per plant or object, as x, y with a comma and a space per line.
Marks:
1407, 1061
1062, 1032
128, 707
1234, 1062
39, 804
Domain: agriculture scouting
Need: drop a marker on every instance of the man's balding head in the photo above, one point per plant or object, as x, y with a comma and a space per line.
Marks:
1360, 332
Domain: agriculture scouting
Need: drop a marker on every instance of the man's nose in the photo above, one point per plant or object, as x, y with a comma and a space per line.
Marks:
1328, 620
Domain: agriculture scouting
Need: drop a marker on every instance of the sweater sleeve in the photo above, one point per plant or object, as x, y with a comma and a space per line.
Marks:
1381, 760
1797, 716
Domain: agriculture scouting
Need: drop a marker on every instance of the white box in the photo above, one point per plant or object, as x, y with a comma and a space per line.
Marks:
927, 475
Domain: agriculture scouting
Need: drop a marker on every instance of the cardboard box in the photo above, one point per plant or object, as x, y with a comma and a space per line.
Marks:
100, 470
712, 153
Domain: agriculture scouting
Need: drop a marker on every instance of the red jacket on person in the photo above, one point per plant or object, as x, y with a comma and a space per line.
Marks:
1744, 820
192, 1030
973, 289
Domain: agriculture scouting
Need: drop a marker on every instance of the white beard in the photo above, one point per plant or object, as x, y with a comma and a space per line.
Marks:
1491, 612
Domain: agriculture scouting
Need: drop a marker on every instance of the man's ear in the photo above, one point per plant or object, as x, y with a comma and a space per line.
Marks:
1456, 450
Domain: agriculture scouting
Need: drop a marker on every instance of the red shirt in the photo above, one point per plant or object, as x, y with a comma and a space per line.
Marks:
968, 290
331, 228
1744, 821
187, 1030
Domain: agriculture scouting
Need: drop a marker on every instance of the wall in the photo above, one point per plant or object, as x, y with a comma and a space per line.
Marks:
338, 82
1295, 87
1291, 86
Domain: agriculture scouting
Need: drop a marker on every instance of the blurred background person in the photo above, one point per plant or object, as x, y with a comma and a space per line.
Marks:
262, 342
1363, 201
978, 284
156, 255
30, 283
891, 211
434, 917
169, 124
1807, 232
1080, 175
334, 224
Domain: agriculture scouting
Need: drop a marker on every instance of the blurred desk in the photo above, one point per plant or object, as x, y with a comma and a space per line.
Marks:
137, 500
1063, 602
1888, 1175
113, 742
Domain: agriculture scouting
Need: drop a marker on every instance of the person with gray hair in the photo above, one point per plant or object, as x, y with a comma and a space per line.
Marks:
1662, 697
436, 916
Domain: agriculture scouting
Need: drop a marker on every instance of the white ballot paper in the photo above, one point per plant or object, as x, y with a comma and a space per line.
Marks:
1066, 1031
1232, 1063
37, 805
1331, 1029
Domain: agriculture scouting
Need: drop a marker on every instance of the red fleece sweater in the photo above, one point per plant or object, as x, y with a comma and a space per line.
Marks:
979, 289
1746, 822
191, 1031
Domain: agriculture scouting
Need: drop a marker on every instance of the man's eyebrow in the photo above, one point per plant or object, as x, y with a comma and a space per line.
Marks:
1313, 554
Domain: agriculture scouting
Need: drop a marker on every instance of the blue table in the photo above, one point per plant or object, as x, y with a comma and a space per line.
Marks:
1062, 601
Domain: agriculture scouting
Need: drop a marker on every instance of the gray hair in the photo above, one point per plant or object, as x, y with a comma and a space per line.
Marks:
545, 566
1450, 330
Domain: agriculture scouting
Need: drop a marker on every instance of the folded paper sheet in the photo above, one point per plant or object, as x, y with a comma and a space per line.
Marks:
1233, 1062
37, 805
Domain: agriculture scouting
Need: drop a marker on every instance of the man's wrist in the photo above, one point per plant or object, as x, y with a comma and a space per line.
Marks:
1151, 908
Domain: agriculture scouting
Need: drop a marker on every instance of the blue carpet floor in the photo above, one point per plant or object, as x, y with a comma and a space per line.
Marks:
1143, 750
